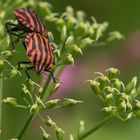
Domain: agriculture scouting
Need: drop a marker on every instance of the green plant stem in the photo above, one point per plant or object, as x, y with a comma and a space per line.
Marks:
25, 126
1, 90
92, 130
50, 90
32, 116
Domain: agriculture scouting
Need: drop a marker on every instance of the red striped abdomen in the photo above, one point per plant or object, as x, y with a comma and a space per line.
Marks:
39, 51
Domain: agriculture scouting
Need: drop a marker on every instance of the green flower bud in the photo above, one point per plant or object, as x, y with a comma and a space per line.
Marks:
52, 18
52, 103
109, 109
69, 10
69, 41
108, 90
103, 80
69, 102
40, 90
95, 86
68, 59
2, 30
80, 15
75, 50
56, 87
122, 106
29, 3
59, 133
115, 35
34, 108
60, 22
22, 66
1, 65
109, 98
86, 42
40, 102
100, 30
137, 114
12, 102
81, 129
81, 28
13, 73
133, 94
117, 84
64, 33
24, 90
7, 54
50, 36
2, 14
45, 135
50, 123
91, 30
131, 85
71, 137
129, 106
138, 90
71, 21
129, 116
112, 73
57, 53
30, 85
45, 6
137, 104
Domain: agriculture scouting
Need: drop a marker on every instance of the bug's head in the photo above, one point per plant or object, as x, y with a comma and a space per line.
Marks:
18, 11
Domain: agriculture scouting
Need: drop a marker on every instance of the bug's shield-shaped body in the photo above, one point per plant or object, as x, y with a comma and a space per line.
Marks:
29, 20
39, 51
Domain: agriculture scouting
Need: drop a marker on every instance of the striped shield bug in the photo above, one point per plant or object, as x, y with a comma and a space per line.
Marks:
28, 21
32, 33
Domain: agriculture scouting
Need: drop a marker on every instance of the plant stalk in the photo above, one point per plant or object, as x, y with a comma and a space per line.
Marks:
1, 90
92, 130
25, 126
32, 116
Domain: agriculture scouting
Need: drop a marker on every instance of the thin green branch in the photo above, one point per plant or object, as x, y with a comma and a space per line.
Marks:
25, 126
32, 116
49, 91
92, 130
1, 90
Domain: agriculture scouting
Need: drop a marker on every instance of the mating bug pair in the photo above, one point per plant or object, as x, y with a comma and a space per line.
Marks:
33, 32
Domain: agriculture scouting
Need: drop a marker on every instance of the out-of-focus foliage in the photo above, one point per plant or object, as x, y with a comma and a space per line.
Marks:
72, 32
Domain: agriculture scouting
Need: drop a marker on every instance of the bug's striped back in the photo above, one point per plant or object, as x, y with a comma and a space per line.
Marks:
39, 51
30, 20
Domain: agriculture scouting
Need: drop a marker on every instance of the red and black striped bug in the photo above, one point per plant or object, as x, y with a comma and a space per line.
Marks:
38, 47
40, 52
29, 20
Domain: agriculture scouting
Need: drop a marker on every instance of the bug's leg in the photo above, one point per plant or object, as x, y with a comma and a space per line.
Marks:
22, 62
26, 71
9, 26
55, 80
23, 43
11, 29
21, 35
52, 46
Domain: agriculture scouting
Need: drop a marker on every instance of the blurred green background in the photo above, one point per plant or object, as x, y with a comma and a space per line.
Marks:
124, 55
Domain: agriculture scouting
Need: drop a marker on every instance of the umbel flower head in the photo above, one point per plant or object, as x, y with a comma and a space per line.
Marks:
120, 100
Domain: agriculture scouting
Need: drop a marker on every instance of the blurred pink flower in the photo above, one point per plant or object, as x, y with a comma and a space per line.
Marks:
72, 78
